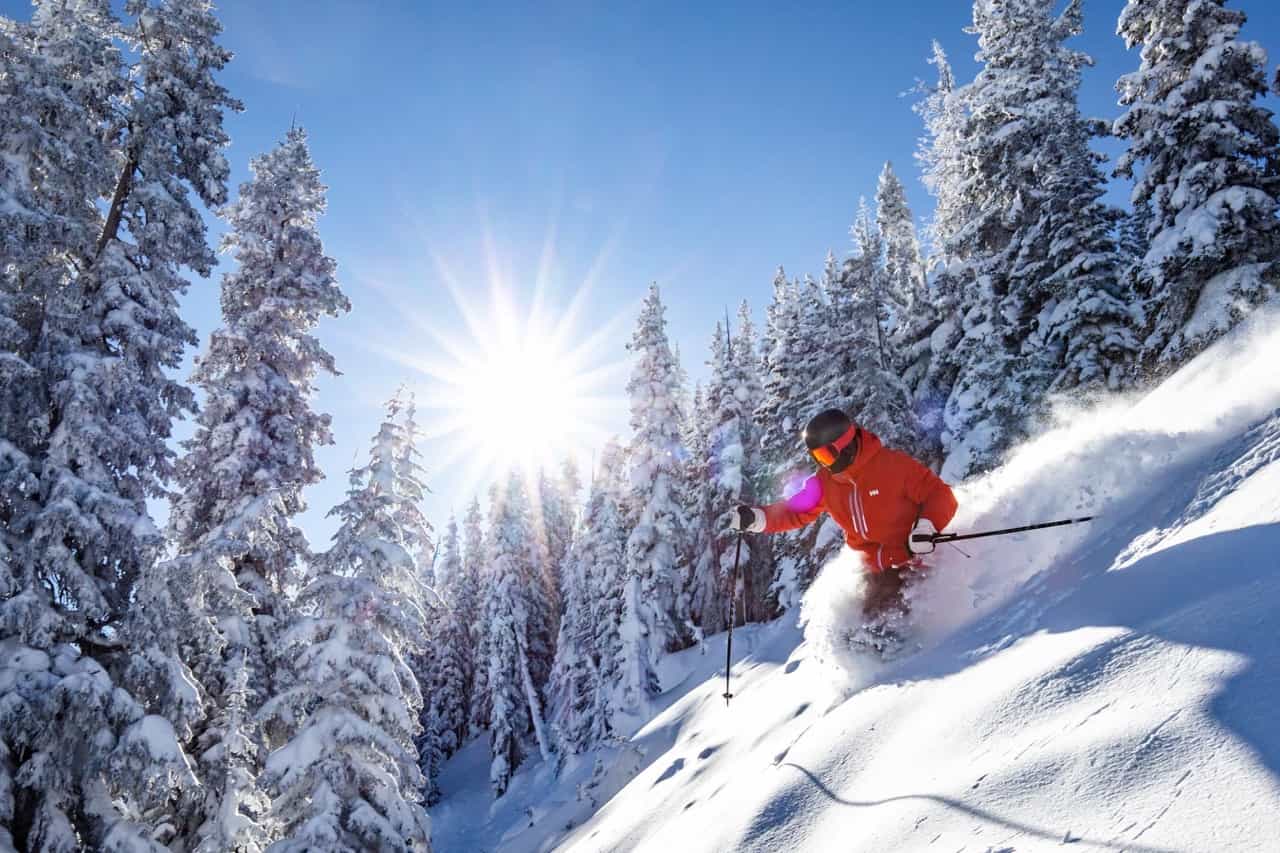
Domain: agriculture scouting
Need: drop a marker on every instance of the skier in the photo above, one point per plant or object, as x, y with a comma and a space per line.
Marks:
880, 497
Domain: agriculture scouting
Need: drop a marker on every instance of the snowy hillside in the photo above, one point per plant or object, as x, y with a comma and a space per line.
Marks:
1109, 687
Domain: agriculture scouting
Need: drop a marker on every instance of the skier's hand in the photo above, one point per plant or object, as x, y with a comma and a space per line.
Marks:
921, 539
747, 519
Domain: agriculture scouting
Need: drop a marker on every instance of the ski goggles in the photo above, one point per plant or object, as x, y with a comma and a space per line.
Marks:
827, 454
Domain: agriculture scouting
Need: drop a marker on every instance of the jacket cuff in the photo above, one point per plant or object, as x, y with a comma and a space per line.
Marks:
759, 521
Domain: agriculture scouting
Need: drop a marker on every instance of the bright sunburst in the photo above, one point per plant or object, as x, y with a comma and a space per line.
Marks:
520, 387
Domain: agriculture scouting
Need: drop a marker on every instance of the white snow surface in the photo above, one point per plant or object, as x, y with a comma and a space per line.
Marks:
1109, 686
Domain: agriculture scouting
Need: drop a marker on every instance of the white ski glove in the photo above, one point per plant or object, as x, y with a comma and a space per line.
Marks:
924, 528
747, 519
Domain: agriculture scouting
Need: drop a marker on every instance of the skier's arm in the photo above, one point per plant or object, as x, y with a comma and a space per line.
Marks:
796, 511
936, 500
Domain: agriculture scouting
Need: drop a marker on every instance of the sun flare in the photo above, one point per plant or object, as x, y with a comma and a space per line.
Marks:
522, 395
519, 388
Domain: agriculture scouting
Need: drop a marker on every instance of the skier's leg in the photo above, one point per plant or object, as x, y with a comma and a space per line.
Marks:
883, 612
883, 596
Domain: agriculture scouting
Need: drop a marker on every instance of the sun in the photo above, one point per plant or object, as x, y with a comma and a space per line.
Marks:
523, 393
517, 386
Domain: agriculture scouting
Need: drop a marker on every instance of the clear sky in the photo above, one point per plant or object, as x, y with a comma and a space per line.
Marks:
587, 148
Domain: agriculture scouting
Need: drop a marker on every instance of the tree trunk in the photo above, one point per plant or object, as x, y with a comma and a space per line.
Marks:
123, 187
535, 711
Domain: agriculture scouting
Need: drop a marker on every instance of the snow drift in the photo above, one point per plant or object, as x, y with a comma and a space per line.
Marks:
1110, 686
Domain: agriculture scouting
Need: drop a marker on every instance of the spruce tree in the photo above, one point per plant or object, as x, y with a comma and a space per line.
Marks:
346, 776
775, 417
1200, 145
904, 267
515, 597
605, 535
702, 588
1038, 295
915, 316
578, 714
717, 491
475, 565
444, 669
242, 477
90, 325
940, 155
654, 619
746, 389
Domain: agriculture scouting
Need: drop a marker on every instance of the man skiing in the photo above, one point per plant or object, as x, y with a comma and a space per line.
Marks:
879, 496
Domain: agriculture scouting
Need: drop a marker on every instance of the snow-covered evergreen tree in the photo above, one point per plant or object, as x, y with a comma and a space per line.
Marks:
579, 714
904, 267
1037, 291
940, 155
242, 477
715, 491
93, 768
574, 688
871, 392
814, 365
444, 669
915, 317
775, 417
553, 520
514, 645
60, 76
745, 394
605, 534
347, 776
696, 498
654, 611
475, 565
1199, 147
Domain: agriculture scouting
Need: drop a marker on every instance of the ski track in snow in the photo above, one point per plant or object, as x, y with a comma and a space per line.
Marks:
1103, 688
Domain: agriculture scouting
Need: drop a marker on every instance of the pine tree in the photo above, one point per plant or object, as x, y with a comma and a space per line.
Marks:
578, 700
90, 323
654, 619
444, 670
775, 417
347, 776
716, 491
916, 318
1039, 299
475, 566
816, 385
940, 155
252, 455
904, 268
515, 598
604, 536
745, 395
1200, 145
696, 494
59, 76
553, 526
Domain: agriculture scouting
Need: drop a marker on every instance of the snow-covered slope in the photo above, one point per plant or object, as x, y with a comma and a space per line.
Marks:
1114, 686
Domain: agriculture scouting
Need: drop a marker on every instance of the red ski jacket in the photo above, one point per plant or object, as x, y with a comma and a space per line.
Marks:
877, 500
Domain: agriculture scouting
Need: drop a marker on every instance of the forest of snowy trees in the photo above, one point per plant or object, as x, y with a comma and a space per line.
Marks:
219, 684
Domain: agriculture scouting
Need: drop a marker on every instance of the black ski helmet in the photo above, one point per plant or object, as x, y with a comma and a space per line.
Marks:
824, 428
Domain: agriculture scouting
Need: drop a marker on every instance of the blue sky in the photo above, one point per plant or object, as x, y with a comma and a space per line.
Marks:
696, 145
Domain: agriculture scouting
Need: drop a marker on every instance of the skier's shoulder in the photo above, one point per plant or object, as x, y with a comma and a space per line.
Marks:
891, 459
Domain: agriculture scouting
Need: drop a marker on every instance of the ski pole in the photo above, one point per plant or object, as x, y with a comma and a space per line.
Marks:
728, 646
943, 538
